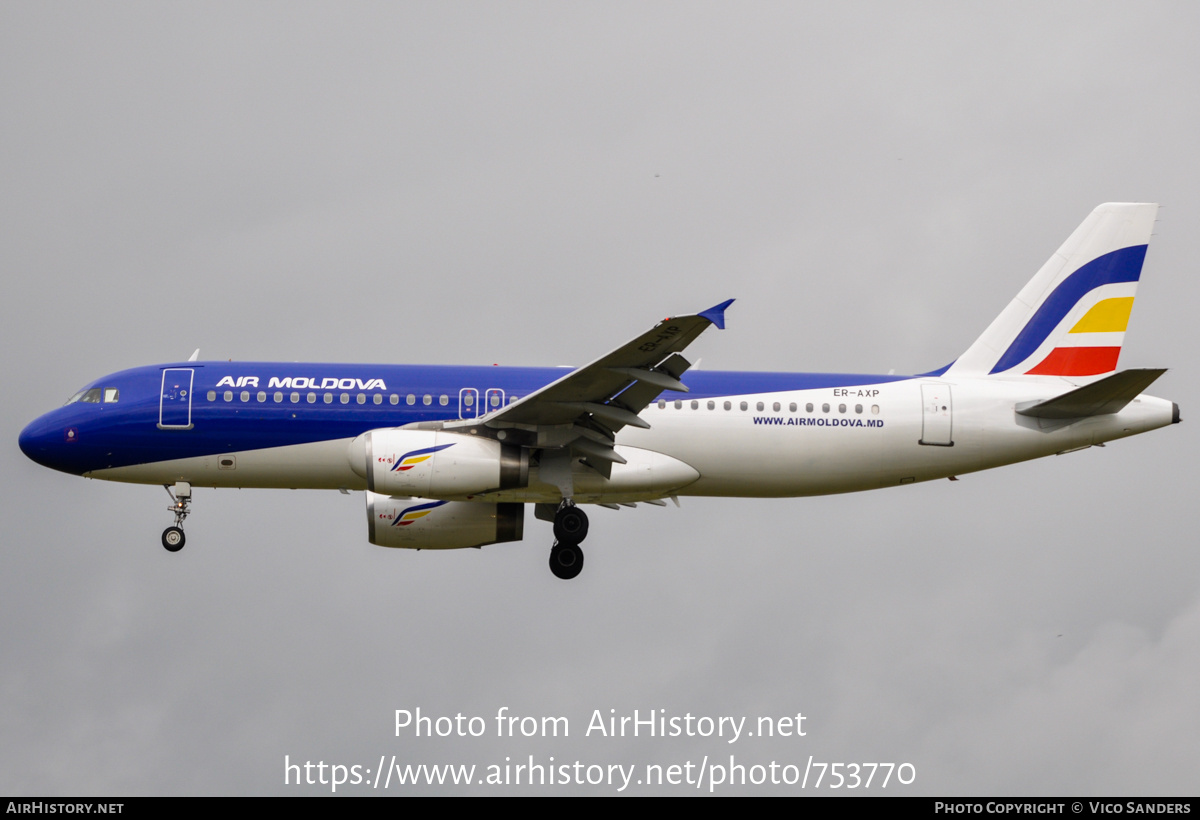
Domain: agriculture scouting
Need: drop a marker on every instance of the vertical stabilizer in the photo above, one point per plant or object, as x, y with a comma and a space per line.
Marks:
1070, 319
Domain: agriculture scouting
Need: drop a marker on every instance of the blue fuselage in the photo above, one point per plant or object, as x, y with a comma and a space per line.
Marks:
236, 407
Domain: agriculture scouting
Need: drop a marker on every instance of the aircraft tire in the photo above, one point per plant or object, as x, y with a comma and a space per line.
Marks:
566, 561
570, 525
173, 539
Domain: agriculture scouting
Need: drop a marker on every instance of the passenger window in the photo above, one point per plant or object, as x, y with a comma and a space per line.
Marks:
875, 409
858, 408
362, 398
410, 400
678, 404
329, 398
841, 408
228, 395
495, 400
775, 407
728, 405
759, 406
278, 397
312, 398
712, 405
394, 399
808, 408
468, 400
792, 407
379, 398
443, 400
212, 395
245, 395
427, 400
743, 405
824, 408
295, 398
262, 396
695, 404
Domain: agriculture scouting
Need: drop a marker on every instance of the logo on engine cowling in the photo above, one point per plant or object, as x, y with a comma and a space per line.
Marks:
411, 514
414, 457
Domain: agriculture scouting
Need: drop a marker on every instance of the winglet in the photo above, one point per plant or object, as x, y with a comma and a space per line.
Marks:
716, 314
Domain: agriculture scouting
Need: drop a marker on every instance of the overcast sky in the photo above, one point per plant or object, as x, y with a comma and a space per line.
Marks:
533, 184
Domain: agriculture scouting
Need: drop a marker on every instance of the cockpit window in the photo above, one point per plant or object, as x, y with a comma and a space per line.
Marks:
96, 395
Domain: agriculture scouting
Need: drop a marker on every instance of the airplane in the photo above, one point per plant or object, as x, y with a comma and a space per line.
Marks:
450, 456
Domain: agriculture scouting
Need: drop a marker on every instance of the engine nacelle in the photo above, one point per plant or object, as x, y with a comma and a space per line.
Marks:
425, 463
425, 524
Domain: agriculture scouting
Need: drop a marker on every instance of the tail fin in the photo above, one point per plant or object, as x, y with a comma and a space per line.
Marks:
1070, 319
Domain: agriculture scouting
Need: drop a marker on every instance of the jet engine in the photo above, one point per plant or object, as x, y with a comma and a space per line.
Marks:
434, 463
423, 523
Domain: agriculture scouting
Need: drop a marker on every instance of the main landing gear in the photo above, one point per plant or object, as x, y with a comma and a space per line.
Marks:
570, 528
173, 538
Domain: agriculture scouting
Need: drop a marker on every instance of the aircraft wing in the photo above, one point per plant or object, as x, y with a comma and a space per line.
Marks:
607, 388
598, 399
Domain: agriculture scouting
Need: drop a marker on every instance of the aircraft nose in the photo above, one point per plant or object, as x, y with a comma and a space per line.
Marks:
43, 441
31, 440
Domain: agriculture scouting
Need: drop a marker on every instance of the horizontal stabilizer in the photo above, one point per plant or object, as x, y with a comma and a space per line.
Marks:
1107, 396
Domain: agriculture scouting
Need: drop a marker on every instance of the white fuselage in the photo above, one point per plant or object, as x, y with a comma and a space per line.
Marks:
852, 438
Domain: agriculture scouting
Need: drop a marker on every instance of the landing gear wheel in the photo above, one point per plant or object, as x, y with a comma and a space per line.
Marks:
566, 560
173, 539
570, 525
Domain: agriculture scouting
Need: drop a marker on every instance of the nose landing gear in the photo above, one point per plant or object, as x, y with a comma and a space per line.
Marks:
570, 528
173, 538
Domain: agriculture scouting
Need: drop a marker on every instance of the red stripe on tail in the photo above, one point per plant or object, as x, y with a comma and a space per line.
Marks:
1078, 361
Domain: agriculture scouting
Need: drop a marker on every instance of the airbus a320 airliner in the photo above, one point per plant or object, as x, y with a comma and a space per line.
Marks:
450, 456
